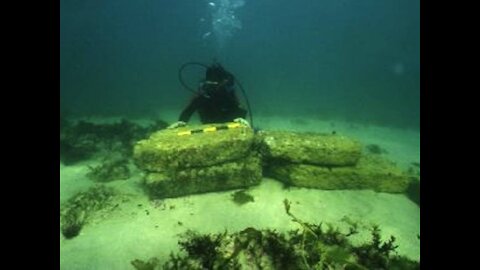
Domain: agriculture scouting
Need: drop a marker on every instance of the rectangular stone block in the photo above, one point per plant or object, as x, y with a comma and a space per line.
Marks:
194, 146
371, 172
310, 148
231, 175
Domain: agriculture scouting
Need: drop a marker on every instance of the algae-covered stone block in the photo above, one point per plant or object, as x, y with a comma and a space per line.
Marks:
311, 148
371, 172
231, 175
191, 147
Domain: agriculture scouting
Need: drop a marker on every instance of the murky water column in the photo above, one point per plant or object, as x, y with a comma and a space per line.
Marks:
224, 23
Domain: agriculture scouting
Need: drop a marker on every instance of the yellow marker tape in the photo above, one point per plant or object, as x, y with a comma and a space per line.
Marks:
233, 125
209, 129
188, 132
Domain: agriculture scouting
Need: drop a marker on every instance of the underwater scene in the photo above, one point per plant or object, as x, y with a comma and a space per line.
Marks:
239, 134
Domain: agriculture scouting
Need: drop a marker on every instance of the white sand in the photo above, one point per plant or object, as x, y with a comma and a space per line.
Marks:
129, 233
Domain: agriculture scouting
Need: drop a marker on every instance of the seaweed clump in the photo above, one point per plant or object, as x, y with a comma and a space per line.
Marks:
109, 170
149, 265
82, 140
414, 169
311, 247
78, 209
413, 191
375, 149
242, 197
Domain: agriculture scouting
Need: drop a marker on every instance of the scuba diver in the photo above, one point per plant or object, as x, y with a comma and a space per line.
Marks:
215, 101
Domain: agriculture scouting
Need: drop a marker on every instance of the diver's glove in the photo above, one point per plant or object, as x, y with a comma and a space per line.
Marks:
242, 122
177, 125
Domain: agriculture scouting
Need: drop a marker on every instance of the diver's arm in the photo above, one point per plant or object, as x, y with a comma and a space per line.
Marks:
189, 110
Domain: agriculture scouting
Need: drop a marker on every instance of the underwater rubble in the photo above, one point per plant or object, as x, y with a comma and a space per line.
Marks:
177, 165
241, 173
328, 161
310, 148
311, 247
170, 149
370, 172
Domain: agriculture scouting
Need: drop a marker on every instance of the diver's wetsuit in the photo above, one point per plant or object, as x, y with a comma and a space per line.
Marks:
218, 103
219, 107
